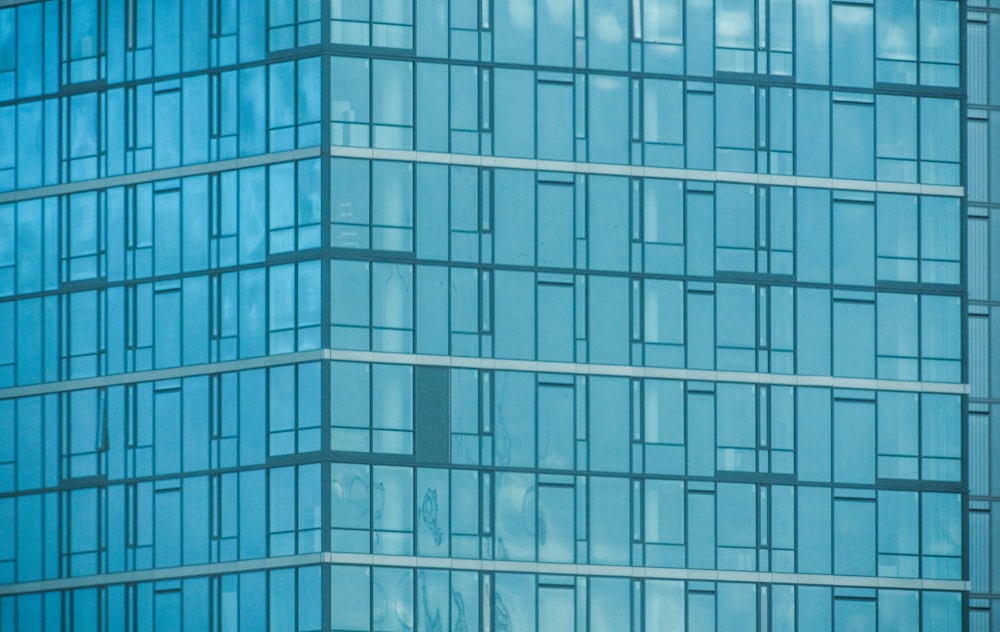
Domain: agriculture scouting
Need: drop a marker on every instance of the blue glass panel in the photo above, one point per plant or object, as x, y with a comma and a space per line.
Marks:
851, 614
555, 321
608, 226
555, 225
515, 516
852, 45
608, 331
609, 520
897, 336
896, 42
432, 103
735, 327
941, 610
737, 526
607, 34
898, 534
514, 335
700, 50
737, 605
853, 339
610, 608
940, 141
392, 307
896, 122
252, 117
515, 602
940, 338
556, 523
853, 139
899, 609
735, 36
814, 436
555, 128
351, 103
514, 26
609, 424
607, 120
350, 202
663, 122
898, 435
392, 104
514, 441
941, 535
392, 205
736, 427
814, 609
812, 125
555, 34
939, 43
736, 219
514, 112
514, 217
853, 538
351, 597
940, 222
853, 441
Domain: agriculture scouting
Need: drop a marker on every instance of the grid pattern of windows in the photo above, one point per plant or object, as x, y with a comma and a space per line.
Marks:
983, 86
391, 315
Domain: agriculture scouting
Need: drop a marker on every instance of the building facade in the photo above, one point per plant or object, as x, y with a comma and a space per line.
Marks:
389, 315
983, 128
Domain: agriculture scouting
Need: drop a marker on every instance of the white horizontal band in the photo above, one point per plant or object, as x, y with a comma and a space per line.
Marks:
475, 160
459, 362
481, 161
498, 566
172, 173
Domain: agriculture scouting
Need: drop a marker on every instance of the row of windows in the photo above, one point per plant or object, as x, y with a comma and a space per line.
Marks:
984, 349
400, 510
558, 220
983, 78
666, 427
200, 222
167, 523
656, 122
165, 124
815, 41
983, 226
402, 308
504, 112
984, 477
463, 416
983, 129
983, 524
400, 599
141, 39
612, 320
600, 604
657, 523
283, 600
467, 214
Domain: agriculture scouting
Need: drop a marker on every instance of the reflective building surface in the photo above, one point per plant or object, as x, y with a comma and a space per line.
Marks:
983, 128
499, 315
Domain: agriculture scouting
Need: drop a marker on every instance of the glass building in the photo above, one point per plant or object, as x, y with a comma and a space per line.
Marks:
499, 315
983, 194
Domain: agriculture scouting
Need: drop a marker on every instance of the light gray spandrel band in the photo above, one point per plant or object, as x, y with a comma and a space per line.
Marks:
497, 566
160, 174
475, 160
492, 364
